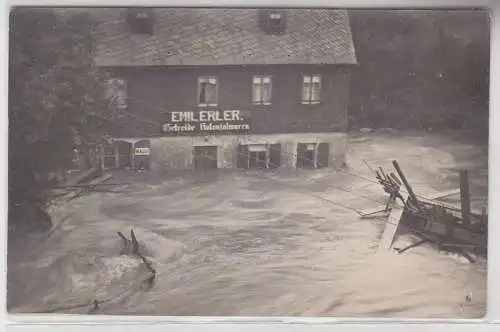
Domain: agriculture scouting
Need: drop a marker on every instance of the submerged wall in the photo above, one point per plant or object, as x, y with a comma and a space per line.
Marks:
176, 153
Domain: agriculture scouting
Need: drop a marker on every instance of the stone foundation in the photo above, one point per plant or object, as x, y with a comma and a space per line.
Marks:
176, 153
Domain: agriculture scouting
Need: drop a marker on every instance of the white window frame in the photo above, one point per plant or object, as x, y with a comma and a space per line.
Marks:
259, 148
258, 82
211, 80
308, 82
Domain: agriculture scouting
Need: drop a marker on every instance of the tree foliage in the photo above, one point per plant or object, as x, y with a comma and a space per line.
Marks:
421, 69
54, 90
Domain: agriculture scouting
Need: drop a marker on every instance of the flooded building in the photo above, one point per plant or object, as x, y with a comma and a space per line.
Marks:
224, 88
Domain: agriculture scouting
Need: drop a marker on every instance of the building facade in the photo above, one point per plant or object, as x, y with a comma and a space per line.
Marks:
228, 88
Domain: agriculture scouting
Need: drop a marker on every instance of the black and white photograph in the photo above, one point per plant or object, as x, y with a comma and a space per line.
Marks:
248, 162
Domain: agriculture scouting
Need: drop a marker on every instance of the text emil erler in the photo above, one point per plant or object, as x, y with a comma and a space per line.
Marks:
228, 120
232, 115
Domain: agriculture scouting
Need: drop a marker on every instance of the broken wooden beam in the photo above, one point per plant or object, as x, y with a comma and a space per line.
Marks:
80, 191
413, 245
402, 176
465, 197
82, 176
372, 211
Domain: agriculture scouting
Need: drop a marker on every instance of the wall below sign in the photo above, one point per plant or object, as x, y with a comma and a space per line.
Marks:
176, 153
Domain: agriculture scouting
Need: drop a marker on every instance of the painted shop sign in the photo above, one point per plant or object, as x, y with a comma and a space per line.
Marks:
142, 151
206, 121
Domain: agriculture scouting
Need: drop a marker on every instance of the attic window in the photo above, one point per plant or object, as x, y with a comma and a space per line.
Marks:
141, 20
272, 21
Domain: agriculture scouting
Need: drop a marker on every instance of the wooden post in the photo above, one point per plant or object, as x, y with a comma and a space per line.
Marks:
117, 157
133, 156
405, 181
465, 197
102, 156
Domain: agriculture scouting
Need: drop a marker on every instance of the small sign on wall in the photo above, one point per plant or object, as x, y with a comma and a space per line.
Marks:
142, 151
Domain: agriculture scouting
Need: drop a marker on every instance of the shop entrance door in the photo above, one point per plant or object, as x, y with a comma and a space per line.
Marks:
205, 157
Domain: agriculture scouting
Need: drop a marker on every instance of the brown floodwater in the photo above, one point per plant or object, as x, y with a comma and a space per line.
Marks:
237, 243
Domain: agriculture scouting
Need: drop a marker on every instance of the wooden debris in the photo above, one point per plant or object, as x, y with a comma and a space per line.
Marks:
413, 245
82, 176
135, 244
391, 226
435, 222
80, 191
411, 194
442, 194
131, 247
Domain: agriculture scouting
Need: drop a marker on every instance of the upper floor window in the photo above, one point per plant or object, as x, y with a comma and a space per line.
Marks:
261, 90
311, 89
207, 91
117, 93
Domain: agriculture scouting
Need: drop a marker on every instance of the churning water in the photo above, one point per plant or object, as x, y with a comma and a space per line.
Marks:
250, 243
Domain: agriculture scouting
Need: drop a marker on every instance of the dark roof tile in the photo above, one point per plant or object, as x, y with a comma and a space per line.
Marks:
195, 36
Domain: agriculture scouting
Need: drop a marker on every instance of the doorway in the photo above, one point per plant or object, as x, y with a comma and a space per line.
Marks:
205, 157
142, 155
124, 154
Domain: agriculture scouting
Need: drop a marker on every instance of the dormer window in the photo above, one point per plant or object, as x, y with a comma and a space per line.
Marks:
141, 20
272, 21
275, 16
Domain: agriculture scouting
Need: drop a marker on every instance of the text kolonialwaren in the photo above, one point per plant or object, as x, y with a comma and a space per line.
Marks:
229, 120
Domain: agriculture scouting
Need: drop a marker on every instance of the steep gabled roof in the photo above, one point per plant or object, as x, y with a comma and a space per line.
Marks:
216, 36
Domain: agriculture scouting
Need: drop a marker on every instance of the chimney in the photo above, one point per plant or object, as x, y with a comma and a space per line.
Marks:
272, 21
141, 20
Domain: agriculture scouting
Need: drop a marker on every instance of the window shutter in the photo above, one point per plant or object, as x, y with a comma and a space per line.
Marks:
242, 158
301, 149
274, 155
323, 154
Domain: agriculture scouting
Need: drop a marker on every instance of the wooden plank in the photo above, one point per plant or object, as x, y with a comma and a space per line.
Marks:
392, 225
465, 197
442, 194
405, 181
451, 207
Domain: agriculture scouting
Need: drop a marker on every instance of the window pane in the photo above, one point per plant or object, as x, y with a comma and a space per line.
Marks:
316, 88
208, 90
257, 80
266, 80
266, 93
256, 94
211, 93
306, 92
316, 79
203, 93
307, 79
